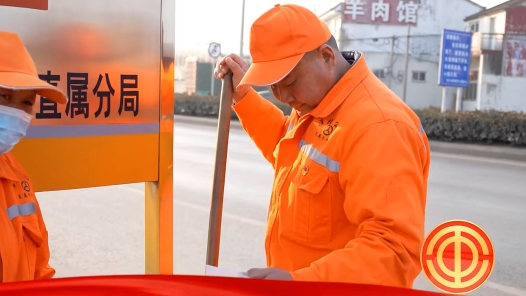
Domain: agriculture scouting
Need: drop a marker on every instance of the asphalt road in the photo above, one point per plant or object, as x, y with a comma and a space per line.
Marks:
100, 231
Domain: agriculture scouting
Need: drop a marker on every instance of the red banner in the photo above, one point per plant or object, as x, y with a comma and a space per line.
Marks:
193, 285
35, 4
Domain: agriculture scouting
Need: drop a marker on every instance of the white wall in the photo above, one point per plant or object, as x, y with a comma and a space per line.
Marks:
503, 93
433, 17
420, 94
321, 6
334, 21
500, 23
469, 105
497, 92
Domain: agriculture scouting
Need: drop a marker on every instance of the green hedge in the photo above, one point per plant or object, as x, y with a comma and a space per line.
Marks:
196, 105
483, 127
209, 106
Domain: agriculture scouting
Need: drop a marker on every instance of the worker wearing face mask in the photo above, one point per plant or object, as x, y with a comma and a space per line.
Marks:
24, 251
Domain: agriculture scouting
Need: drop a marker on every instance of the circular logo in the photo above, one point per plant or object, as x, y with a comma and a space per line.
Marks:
328, 130
25, 186
457, 257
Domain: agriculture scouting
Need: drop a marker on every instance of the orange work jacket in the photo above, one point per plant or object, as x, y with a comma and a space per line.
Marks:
350, 185
24, 250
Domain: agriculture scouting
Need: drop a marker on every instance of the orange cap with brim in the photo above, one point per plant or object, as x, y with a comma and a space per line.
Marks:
18, 71
279, 39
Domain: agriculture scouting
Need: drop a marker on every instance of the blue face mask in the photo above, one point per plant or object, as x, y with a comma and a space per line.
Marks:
13, 127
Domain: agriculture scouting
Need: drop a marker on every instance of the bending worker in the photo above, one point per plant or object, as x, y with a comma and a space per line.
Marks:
351, 161
24, 251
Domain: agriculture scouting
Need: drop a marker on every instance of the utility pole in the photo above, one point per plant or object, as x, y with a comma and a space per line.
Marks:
406, 74
391, 61
342, 31
242, 31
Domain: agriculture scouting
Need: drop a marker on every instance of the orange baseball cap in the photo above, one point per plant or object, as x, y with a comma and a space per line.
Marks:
279, 39
18, 70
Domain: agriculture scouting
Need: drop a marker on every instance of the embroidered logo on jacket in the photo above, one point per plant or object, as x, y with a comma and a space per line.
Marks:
25, 186
326, 129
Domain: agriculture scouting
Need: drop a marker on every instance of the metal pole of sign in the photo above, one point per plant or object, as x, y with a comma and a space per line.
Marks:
212, 84
216, 207
443, 107
242, 30
459, 100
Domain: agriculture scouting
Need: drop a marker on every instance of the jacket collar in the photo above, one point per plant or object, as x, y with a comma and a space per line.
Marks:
341, 90
10, 169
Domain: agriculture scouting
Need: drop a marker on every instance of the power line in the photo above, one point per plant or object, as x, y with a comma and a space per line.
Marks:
391, 37
397, 49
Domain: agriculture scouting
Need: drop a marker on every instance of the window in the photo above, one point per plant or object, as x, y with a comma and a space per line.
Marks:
474, 27
492, 25
493, 64
470, 93
380, 73
419, 76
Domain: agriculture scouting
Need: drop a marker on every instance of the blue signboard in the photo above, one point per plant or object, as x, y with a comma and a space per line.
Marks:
455, 59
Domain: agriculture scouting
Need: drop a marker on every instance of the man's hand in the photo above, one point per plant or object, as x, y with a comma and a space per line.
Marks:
238, 67
269, 274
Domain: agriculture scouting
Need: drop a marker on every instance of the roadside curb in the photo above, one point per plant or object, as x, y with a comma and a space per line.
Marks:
477, 150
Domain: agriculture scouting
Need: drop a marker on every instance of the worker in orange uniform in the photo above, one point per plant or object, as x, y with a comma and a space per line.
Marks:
24, 250
351, 161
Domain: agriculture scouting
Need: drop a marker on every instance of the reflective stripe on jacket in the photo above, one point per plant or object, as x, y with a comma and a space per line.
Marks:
349, 193
24, 247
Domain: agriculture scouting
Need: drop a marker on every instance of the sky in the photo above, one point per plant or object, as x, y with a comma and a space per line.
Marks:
200, 22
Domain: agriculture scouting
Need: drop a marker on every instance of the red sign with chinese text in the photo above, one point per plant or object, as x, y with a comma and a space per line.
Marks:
516, 20
35, 4
381, 12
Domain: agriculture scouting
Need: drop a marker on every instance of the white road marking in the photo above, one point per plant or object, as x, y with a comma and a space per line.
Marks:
480, 159
202, 208
505, 289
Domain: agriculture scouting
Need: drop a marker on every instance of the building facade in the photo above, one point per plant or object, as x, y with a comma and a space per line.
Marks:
401, 41
498, 63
